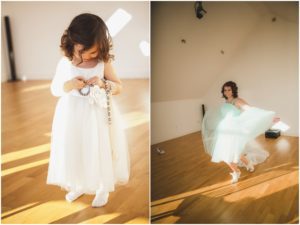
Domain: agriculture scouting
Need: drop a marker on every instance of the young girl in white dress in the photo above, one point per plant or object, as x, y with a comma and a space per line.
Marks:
89, 152
227, 129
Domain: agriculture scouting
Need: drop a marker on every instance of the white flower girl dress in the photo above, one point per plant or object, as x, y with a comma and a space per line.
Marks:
87, 153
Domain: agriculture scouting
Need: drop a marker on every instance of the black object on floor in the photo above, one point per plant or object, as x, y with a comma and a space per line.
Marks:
272, 133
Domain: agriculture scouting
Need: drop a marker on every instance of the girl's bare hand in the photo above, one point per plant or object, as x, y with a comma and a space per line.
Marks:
96, 81
78, 82
276, 119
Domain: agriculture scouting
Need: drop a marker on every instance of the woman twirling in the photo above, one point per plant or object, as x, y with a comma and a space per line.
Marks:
227, 130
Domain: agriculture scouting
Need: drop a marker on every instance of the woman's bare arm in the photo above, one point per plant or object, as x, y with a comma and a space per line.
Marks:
241, 104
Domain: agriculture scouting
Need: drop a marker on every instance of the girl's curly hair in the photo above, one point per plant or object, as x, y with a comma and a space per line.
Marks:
87, 29
233, 86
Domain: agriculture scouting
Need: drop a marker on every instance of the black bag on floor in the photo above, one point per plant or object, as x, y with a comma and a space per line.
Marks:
272, 133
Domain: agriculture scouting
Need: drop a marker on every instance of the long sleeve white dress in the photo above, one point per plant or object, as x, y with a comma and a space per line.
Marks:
87, 154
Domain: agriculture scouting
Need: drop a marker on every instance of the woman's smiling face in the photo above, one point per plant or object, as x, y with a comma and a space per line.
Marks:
228, 92
88, 54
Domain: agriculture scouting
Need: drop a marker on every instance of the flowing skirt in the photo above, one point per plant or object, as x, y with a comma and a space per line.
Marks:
86, 153
227, 130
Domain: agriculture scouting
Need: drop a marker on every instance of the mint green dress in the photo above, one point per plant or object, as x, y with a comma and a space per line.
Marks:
227, 129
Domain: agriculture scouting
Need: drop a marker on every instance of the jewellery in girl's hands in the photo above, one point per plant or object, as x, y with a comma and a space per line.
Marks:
108, 94
112, 85
85, 90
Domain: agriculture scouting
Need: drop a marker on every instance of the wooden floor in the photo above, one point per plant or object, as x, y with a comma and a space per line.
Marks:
187, 188
27, 112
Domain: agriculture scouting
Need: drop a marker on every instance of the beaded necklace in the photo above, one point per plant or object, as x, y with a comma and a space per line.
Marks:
85, 91
108, 95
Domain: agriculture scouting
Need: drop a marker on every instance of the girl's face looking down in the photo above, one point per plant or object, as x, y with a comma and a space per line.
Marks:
227, 92
88, 54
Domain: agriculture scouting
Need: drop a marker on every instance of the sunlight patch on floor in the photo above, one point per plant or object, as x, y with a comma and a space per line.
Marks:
48, 134
36, 88
279, 166
18, 209
138, 220
57, 210
135, 118
23, 167
20, 154
102, 218
267, 189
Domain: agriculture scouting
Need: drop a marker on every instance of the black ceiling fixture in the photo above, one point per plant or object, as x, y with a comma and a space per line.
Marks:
199, 9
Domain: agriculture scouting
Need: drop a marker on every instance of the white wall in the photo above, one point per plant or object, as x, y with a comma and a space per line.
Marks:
38, 26
260, 56
171, 119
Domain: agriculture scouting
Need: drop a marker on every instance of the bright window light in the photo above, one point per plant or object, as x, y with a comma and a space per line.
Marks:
117, 21
281, 126
145, 48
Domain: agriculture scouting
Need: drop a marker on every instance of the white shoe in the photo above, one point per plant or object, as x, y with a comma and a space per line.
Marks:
250, 166
73, 195
100, 199
235, 177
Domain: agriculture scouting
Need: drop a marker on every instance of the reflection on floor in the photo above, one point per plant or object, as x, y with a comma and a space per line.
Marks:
187, 188
27, 112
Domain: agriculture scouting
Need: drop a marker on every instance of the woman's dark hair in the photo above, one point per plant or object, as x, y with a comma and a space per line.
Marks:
87, 29
234, 89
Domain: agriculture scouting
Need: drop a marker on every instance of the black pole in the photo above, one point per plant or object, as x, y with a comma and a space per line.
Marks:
203, 110
10, 50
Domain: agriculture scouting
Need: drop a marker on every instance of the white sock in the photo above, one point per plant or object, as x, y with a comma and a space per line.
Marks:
250, 166
235, 176
100, 199
73, 195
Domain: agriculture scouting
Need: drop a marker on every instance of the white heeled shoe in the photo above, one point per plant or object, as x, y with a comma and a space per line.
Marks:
250, 166
235, 176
